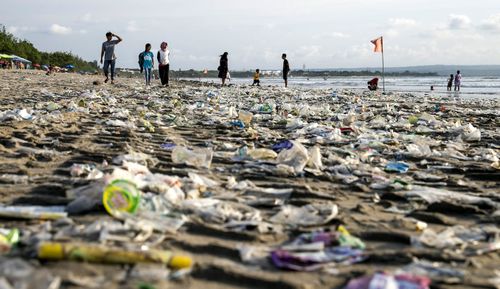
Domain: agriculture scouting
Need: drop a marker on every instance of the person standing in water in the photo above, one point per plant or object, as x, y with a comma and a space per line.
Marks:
108, 55
286, 69
163, 63
450, 82
458, 81
223, 67
147, 63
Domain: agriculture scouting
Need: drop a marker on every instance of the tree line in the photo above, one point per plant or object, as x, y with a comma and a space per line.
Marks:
9, 44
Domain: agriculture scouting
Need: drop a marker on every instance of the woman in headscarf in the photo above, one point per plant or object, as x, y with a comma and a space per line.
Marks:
163, 63
223, 68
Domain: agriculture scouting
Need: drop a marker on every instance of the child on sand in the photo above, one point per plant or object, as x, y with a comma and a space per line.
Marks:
450, 82
256, 78
148, 63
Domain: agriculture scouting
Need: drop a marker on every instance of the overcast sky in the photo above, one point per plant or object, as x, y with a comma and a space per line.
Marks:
314, 33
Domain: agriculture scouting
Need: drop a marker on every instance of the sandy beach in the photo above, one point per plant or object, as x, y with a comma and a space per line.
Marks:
416, 179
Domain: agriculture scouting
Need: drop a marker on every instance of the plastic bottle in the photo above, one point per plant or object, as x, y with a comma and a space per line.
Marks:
8, 239
262, 154
95, 253
245, 117
121, 196
195, 158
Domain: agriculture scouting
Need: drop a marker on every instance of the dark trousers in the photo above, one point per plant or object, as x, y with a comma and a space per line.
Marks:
163, 70
106, 66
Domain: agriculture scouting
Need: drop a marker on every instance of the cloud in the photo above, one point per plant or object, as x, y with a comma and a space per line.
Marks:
59, 29
132, 26
457, 22
21, 29
491, 24
87, 17
339, 35
392, 33
308, 51
330, 35
402, 22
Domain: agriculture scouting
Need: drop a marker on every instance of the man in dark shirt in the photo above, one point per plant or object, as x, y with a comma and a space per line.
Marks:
286, 69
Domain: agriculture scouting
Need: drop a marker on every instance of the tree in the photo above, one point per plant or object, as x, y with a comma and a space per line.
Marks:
9, 44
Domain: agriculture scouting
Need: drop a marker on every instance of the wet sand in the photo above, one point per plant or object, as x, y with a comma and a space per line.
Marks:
69, 126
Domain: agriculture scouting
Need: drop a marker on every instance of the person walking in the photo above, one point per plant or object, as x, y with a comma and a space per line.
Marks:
163, 63
286, 69
108, 55
458, 81
147, 63
223, 67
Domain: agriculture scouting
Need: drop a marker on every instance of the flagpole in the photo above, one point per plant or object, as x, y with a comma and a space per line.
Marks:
383, 65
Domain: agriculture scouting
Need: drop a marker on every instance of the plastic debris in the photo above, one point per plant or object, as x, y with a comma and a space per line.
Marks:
121, 196
397, 167
105, 254
33, 212
8, 238
197, 157
313, 251
388, 281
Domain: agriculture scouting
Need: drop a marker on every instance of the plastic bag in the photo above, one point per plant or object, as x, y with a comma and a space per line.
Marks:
295, 157
196, 158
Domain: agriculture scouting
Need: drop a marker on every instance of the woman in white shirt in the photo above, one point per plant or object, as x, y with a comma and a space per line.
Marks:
164, 63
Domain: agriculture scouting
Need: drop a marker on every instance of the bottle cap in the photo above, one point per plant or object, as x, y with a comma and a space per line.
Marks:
50, 250
180, 262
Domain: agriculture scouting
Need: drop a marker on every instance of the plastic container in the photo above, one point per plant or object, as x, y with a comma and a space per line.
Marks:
245, 117
112, 255
262, 154
121, 196
197, 157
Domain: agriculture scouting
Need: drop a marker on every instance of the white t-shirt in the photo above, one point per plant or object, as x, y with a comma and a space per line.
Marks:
164, 57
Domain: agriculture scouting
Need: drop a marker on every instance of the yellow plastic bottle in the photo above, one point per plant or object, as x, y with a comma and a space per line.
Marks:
95, 253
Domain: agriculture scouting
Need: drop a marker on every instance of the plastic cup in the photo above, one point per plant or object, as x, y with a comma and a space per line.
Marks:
121, 196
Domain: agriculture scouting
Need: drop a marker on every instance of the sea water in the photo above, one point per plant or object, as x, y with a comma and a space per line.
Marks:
472, 87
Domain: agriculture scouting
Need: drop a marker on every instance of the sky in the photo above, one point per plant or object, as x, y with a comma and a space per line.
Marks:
314, 33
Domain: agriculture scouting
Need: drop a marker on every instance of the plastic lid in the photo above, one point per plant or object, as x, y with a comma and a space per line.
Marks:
180, 262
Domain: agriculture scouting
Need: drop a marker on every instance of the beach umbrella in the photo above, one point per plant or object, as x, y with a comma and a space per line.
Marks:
20, 59
45, 67
5, 56
36, 65
70, 66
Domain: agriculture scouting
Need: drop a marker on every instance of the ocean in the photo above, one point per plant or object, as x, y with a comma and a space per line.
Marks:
472, 87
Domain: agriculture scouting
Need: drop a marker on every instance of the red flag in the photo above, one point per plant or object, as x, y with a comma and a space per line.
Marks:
379, 44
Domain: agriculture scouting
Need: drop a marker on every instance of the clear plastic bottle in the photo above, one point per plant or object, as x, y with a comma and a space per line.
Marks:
245, 117
195, 158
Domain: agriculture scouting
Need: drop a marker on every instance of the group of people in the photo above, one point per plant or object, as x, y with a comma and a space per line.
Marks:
146, 59
223, 70
457, 79
146, 62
